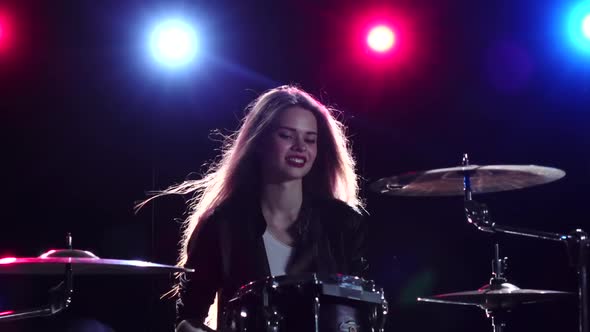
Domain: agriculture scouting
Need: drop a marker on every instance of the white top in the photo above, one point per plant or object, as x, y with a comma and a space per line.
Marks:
277, 253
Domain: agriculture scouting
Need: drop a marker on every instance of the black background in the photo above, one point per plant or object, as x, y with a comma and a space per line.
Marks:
89, 125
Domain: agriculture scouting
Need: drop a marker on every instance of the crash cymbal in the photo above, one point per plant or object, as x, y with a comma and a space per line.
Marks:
82, 262
449, 181
506, 296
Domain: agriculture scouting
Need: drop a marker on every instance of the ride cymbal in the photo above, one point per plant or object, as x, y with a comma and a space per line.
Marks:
450, 181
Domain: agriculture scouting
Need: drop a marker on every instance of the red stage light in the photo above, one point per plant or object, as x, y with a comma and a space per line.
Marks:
4, 32
381, 38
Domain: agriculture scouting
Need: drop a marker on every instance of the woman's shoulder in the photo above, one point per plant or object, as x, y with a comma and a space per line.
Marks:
230, 211
209, 224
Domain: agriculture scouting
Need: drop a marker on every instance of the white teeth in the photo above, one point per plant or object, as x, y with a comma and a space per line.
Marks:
296, 160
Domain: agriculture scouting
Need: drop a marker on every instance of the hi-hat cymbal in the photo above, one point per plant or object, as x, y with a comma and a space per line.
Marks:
449, 181
54, 262
506, 296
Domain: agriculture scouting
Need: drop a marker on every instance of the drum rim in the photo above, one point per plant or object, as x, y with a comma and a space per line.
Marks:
315, 278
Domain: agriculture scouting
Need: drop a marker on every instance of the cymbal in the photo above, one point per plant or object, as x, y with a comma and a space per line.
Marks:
506, 296
449, 181
54, 262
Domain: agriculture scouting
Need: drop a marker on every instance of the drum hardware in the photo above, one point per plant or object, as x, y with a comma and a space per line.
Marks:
576, 242
498, 297
467, 180
273, 319
307, 303
316, 312
69, 262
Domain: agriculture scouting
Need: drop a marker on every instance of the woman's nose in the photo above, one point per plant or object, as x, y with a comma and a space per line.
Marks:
299, 145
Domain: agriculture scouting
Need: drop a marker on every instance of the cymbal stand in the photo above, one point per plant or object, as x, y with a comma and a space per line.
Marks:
498, 316
60, 297
577, 243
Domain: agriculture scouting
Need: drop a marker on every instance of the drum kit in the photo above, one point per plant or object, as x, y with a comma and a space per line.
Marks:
340, 302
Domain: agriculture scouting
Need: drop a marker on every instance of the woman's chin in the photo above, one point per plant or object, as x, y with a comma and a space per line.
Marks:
286, 174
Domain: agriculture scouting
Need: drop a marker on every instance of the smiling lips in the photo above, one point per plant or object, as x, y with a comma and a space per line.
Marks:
296, 161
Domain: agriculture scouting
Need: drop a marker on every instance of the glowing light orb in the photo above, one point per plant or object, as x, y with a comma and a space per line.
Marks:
381, 38
586, 26
174, 43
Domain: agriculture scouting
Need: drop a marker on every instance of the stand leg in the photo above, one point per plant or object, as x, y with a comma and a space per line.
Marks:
498, 320
498, 325
577, 244
582, 296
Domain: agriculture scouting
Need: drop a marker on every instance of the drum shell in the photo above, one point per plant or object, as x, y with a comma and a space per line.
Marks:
285, 304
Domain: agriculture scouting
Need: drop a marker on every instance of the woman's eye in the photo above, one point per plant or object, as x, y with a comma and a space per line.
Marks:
283, 135
310, 141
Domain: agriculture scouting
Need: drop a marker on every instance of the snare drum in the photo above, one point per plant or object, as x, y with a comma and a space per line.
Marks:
307, 303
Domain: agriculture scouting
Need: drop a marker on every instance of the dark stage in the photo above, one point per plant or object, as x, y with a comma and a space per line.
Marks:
91, 124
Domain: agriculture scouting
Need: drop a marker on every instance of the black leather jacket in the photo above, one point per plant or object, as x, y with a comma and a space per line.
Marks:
227, 251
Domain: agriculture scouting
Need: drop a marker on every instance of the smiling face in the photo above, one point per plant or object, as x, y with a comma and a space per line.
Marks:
291, 148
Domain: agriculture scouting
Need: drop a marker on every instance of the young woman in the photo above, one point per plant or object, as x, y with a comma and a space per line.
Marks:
281, 200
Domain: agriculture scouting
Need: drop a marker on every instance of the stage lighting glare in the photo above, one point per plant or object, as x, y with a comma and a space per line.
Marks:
4, 33
174, 43
381, 38
586, 26
578, 28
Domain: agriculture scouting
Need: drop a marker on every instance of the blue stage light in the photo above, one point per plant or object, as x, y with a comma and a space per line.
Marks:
578, 27
586, 26
174, 43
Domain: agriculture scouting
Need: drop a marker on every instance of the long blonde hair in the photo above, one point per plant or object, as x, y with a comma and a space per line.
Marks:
333, 174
